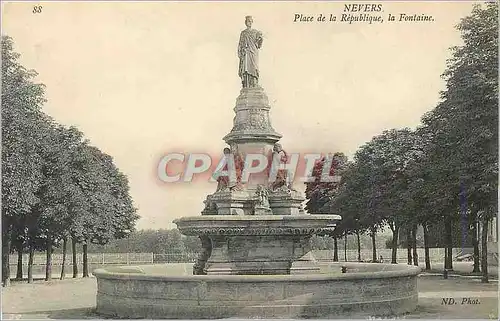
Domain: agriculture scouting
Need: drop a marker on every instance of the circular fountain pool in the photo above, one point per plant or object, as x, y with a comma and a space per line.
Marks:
169, 291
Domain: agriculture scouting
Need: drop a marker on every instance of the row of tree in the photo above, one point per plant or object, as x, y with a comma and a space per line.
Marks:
56, 187
171, 241
444, 170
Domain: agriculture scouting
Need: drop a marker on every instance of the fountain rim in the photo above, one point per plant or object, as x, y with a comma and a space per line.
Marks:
259, 218
279, 225
265, 225
248, 278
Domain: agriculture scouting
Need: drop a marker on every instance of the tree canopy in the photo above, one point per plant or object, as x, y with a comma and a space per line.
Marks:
55, 185
448, 165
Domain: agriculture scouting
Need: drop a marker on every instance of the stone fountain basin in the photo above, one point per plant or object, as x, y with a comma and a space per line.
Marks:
165, 291
257, 244
257, 224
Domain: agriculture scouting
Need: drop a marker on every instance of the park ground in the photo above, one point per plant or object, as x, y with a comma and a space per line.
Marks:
76, 298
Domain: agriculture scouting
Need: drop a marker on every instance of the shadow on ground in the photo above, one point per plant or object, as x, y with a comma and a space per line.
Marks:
80, 313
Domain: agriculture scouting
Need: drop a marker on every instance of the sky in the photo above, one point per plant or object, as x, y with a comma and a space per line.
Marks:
141, 79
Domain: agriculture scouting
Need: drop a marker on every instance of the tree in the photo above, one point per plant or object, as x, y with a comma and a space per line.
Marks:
54, 185
19, 242
320, 193
108, 212
348, 202
464, 126
472, 89
21, 103
59, 195
377, 184
120, 208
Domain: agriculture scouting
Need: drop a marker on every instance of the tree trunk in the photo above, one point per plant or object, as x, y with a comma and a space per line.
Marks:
63, 266
450, 257
85, 261
73, 254
374, 246
345, 248
335, 250
30, 262
395, 236
448, 263
426, 246
408, 245
414, 244
484, 250
475, 244
6, 243
445, 255
19, 272
359, 246
48, 263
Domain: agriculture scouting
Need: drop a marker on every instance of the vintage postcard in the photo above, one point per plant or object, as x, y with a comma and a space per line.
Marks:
249, 160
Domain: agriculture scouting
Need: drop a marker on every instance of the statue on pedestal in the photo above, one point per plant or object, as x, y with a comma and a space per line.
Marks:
249, 44
239, 163
262, 206
210, 207
281, 183
263, 194
224, 182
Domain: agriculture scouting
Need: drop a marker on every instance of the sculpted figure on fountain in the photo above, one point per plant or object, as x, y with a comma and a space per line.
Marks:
282, 183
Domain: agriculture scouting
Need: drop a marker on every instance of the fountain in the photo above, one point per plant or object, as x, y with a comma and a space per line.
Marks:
256, 258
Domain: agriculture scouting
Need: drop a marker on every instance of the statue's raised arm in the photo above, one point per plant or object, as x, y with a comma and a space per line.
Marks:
249, 44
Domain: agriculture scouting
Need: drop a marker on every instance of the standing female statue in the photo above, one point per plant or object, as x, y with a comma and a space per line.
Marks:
250, 43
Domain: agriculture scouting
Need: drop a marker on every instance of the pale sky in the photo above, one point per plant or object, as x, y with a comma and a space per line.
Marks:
141, 79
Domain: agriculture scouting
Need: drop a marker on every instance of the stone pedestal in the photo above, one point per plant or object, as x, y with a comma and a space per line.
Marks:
262, 210
259, 254
305, 265
233, 203
286, 202
252, 132
252, 122
251, 254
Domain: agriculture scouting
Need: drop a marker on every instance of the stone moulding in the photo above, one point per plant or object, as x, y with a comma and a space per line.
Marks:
252, 98
257, 224
256, 231
385, 271
256, 135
